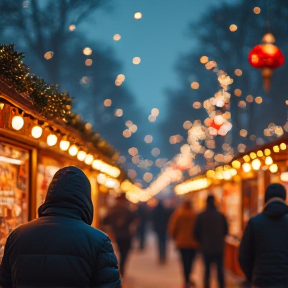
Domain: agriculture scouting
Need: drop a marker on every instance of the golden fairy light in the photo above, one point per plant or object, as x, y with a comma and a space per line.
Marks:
127, 133
152, 118
121, 159
133, 151
72, 27
88, 62
116, 37
204, 59
242, 104
233, 27
107, 102
197, 105
133, 128
132, 173
258, 100
249, 98
243, 133
187, 125
257, 10
87, 51
155, 112
48, 55
237, 92
136, 60
195, 85
119, 112
238, 72
138, 15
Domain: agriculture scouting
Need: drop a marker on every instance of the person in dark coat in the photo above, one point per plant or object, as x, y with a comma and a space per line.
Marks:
160, 218
210, 230
142, 226
60, 248
263, 252
122, 221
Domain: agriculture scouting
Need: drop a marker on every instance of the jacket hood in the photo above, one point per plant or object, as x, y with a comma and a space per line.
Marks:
69, 193
275, 208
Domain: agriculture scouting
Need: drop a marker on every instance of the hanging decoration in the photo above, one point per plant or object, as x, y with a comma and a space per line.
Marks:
267, 57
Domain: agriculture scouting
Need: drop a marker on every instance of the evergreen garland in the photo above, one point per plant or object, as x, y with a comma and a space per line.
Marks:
46, 98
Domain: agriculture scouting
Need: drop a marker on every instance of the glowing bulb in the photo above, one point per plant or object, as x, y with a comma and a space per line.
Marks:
81, 155
268, 160
273, 168
89, 159
64, 145
51, 140
256, 164
246, 167
36, 131
73, 150
17, 122
236, 164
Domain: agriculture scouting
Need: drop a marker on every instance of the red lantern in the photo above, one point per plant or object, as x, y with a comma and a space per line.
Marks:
266, 57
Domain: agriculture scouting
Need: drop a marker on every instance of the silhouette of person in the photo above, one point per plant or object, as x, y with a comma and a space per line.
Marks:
263, 252
142, 226
180, 228
210, 230
60, 248
121, 219
160, 217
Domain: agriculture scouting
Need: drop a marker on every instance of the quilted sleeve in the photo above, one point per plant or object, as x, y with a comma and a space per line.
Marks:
106, 274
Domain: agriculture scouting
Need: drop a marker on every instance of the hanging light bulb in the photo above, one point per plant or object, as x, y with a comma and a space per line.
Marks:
64, 145
256, 164
246, 167
273, 168
89, 159
81, 155
268, 160
17, 122
73, 150
36, 131
51, 140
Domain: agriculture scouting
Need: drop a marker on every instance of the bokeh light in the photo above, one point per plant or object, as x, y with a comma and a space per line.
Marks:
148, 139
257, 10
195, 85
233, 27
116, 37
119, 112
107, 102
87, 51
138, 15
237, 92
204, 59
136, 60
258, 100
48, 55
88, 62
238, 72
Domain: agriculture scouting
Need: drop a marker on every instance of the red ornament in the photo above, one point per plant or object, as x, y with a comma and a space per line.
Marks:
266, 57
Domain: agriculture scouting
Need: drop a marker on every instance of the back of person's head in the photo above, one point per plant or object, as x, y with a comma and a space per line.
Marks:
275, 190
69, 189
210, 200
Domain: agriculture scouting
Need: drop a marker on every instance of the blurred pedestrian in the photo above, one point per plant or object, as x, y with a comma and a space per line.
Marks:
123, 221
160, 217
60, 248
210, 230
180, 228
263, 254
142, 226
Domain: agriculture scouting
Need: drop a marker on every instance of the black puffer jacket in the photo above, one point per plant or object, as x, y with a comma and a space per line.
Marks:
263, 254
60, 248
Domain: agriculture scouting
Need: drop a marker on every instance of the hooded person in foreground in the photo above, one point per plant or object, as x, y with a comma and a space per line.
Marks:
263, 254
60, 248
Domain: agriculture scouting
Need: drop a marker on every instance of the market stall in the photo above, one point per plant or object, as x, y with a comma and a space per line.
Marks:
239, 188
39, 133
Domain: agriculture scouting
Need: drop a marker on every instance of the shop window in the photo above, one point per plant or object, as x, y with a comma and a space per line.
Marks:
14, 187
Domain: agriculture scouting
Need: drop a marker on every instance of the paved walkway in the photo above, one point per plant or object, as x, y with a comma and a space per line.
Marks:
144, 271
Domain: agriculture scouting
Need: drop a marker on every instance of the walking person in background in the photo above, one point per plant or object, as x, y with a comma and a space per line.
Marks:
142, 226
122, 221
60, 248
160, 217
180, 228
263, 253
210, 230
